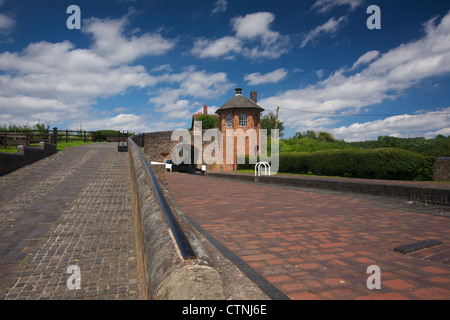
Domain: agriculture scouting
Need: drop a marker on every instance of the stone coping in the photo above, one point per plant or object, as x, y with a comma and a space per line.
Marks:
432, 193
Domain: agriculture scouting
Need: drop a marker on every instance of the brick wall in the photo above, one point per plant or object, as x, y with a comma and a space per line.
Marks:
432, 193
158, 147
441, 169
253, 123
24, 156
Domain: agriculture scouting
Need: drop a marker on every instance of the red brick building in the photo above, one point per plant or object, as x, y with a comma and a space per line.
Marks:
239, 113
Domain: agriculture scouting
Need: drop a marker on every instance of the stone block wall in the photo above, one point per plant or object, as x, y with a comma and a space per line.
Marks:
441, 169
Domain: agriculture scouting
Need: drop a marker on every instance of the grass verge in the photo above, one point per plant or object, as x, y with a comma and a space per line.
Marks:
62, 145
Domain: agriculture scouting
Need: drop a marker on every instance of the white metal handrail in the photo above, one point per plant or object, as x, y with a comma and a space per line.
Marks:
258, 168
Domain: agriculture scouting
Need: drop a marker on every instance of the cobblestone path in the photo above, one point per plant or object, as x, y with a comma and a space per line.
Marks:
73, 208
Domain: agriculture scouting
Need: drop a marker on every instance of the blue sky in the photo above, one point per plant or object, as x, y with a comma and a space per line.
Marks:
142, 65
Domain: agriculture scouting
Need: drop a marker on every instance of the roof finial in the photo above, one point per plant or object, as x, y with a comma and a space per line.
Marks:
238, 90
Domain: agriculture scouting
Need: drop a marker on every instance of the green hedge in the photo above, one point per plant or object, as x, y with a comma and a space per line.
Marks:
104, 134
387, 164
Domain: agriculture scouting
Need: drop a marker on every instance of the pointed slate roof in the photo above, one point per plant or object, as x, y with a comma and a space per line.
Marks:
239, 102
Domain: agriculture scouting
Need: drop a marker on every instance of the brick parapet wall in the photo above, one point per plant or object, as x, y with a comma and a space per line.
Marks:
428, 193
25, 155
163, 272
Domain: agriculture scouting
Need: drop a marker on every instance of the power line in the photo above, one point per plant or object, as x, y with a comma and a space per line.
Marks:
417, 85
367, 114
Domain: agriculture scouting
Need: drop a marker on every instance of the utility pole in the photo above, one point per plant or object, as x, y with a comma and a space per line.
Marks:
276, 121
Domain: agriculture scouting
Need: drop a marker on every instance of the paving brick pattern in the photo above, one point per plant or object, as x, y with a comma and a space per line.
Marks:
314, 245
73, 208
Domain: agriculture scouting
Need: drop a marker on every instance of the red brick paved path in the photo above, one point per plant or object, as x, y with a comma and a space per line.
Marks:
318, 246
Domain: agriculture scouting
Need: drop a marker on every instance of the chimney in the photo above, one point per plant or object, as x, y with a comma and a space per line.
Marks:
238, 90
205, 109
254, 96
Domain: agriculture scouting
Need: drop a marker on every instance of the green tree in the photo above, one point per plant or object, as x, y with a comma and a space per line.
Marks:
311, 134
326, 136
42, 127
208, 121
268, 122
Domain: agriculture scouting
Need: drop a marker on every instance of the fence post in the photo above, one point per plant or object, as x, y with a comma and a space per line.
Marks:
55, 136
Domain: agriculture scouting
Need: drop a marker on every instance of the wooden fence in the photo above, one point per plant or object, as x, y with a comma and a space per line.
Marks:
77, 135
11, 139
8, 139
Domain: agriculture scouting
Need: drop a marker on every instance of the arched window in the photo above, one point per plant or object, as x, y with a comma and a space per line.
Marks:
229, 121
243, 120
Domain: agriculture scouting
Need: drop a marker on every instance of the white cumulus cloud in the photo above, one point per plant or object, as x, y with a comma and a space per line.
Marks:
385, 76
59, 82
324, 6
219, 7
271, 77
223, 47
173, 101
411, 125
6, 24
253, 39
114, 46
329, 27
366, 58
255, 25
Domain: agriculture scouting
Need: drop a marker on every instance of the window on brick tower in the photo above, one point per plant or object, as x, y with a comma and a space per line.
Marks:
243, 120
229, 121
